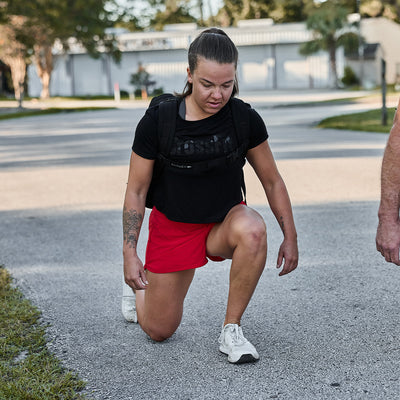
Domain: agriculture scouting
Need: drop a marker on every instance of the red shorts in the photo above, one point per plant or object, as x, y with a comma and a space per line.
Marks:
176, 246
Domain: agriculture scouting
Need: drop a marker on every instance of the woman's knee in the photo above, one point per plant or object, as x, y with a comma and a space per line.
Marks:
161, 323
250, 230
159, 335
158, 331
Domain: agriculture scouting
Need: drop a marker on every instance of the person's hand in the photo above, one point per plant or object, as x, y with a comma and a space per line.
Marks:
388, 240
134, 273
289, 252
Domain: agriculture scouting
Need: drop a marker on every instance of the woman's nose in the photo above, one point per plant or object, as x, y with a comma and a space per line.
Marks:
217, 94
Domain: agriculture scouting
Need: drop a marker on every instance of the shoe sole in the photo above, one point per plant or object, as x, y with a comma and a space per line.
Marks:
131, 320
244, 358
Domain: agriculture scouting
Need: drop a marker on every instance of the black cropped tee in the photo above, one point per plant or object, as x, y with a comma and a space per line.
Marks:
203, 197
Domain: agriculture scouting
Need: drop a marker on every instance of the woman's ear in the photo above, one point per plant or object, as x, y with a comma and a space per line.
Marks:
189, 76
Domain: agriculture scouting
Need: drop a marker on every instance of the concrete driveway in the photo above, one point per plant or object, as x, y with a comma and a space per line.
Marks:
327, 331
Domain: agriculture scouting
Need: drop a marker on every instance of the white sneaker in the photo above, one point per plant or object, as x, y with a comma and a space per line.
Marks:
128, 307
236, 346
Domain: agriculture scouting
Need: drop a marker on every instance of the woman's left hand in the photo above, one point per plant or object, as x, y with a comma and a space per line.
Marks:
289, 252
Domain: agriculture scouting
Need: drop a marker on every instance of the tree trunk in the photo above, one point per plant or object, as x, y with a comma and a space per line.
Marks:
332, 62
45, 79
44, 66
13, 54
245, 10
18, 70
200, 5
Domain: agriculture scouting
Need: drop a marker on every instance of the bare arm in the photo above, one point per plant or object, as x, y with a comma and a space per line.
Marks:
388, 232
140, 173
261, 159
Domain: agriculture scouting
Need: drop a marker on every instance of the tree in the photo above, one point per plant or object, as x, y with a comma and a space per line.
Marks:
331, 30
236, 10
381, 8
291, 10
130, 15
141, 80
63, 23
170, 12
14, 54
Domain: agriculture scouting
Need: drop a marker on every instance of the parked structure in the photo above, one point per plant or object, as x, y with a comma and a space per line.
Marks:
269, 59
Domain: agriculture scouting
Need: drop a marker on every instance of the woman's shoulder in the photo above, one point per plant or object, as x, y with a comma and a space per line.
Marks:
244, 111
247, 116
162, 98
241, 103
165, 105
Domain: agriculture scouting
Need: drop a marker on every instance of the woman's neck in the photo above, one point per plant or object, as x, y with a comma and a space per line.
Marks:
193, 111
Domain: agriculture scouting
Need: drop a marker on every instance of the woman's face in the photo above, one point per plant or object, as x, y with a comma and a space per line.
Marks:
212, 86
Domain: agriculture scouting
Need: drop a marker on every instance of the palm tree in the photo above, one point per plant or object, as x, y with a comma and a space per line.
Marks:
331, 30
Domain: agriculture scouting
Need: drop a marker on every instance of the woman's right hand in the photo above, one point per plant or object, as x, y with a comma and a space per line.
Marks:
134, 273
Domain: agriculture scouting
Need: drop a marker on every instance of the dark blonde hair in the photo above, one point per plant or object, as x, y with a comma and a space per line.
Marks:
215, 45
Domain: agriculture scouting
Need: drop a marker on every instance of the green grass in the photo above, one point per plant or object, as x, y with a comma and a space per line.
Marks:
28, 371
345, 100
369, 121
30, 113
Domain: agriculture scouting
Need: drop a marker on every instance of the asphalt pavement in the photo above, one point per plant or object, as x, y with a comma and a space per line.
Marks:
329, 330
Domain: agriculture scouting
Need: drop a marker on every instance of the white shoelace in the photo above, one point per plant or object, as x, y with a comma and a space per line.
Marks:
237, 335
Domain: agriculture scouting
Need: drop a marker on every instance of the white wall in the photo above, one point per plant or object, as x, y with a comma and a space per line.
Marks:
167, 68
387, 33
268, 59
261, 67
256, 67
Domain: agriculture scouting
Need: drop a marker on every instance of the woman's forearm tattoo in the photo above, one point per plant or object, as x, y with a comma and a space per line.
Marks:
131, 221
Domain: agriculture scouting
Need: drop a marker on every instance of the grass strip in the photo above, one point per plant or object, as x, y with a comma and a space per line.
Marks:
340, 101
28, 370
368, 121
30, 113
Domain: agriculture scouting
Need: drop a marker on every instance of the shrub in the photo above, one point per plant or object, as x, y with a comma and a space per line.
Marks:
349, 77
157, 91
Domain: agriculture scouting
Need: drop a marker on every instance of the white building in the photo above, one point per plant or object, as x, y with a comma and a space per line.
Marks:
268, 59
386, 33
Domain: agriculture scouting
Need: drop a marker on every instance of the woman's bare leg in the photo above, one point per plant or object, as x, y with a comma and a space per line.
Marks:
241, 237
160, 306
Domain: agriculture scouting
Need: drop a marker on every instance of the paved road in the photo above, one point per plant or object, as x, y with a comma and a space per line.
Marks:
327, 331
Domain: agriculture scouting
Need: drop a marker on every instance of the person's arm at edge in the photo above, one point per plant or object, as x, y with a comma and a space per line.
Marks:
263, 163
388, 232
140, 174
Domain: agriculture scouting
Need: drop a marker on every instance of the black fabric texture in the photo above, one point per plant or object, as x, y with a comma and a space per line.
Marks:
201, 197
